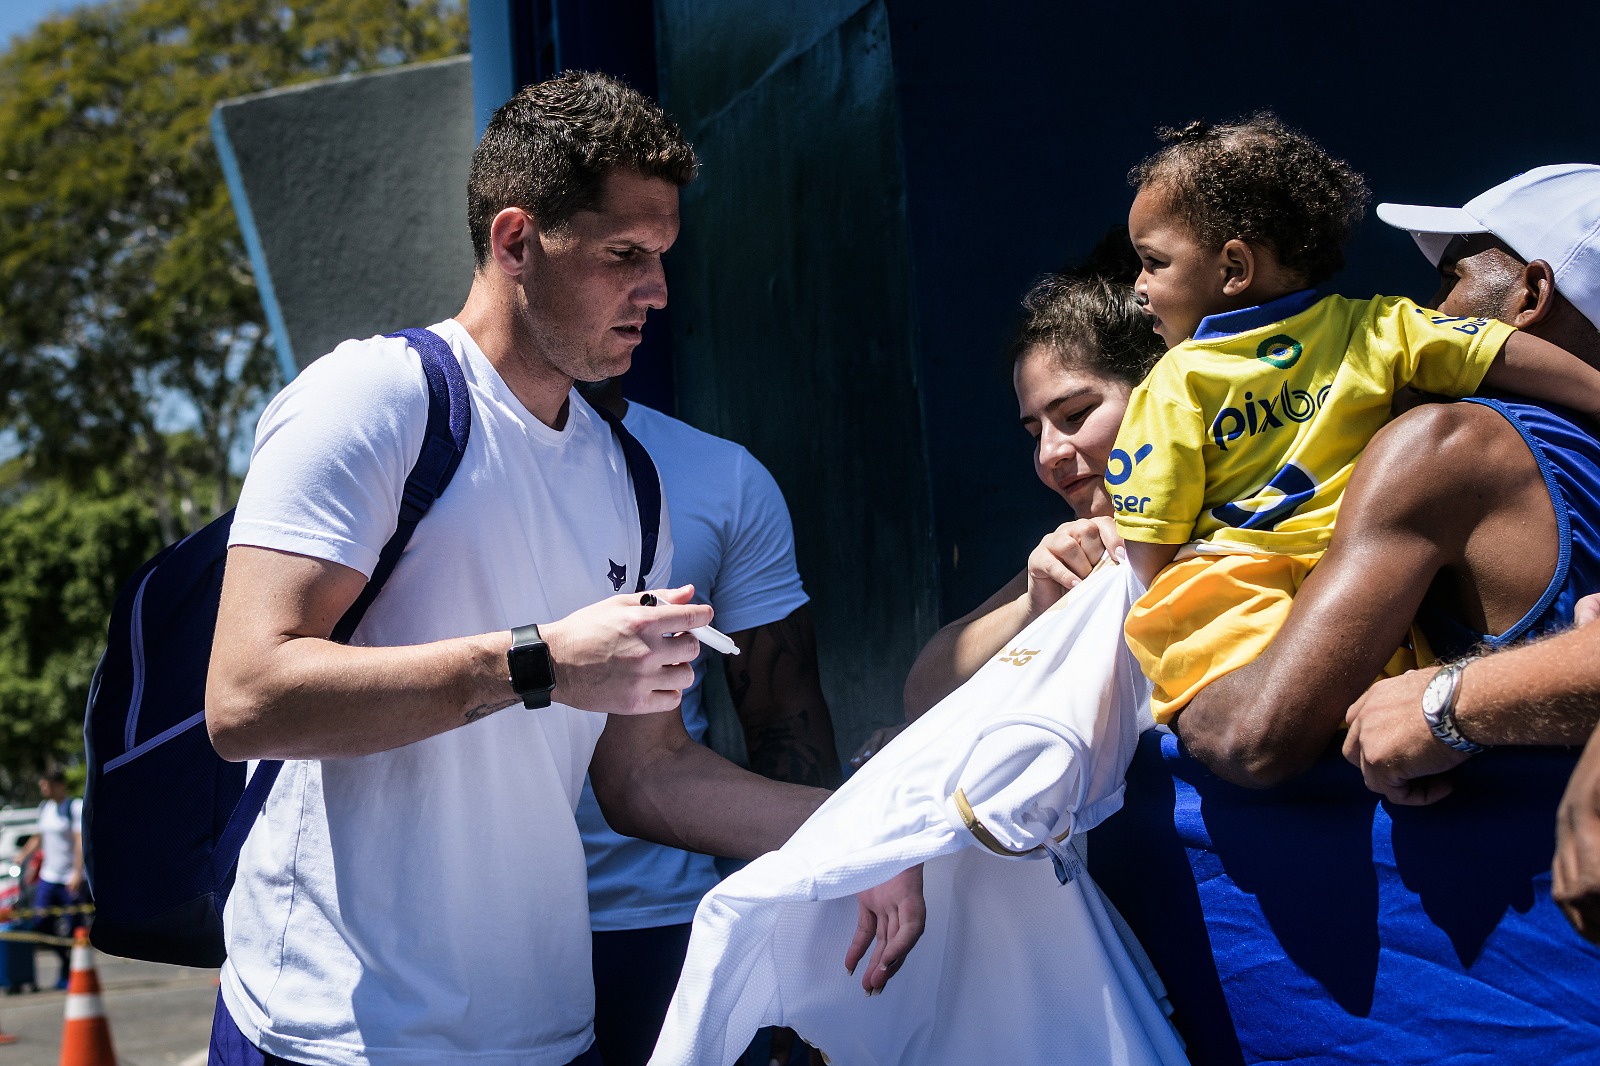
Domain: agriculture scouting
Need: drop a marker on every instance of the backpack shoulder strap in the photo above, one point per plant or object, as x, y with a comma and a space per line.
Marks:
646, 491
445, 442
449, 427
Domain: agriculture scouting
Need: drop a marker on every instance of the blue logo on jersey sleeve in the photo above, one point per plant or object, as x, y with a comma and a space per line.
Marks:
1120, 458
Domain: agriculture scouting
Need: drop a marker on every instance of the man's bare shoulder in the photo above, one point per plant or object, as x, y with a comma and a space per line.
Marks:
1440, 450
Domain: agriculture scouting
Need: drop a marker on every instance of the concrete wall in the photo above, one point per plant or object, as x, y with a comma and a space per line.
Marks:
352, 196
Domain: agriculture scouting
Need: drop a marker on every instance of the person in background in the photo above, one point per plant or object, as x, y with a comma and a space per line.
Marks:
734, 542
59, 842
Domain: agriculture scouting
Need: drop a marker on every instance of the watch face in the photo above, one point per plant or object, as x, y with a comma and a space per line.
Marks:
1439, 693
531, 670
1436, 697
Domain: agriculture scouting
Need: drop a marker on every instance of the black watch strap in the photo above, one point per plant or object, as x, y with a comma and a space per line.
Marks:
533, 675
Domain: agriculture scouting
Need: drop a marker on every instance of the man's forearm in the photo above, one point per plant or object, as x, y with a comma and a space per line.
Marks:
1272, 719
1402, 520
1547, 692
653, 782
313, 699
279, 688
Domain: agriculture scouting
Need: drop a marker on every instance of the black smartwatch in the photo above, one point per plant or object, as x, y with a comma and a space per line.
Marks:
533, 675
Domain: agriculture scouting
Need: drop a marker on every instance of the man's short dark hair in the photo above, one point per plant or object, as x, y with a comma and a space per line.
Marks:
1258, 180
549, 149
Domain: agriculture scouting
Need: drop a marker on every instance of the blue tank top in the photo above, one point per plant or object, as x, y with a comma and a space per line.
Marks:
1569, 460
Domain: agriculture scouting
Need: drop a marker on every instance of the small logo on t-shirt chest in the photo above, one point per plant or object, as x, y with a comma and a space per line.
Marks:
618, 574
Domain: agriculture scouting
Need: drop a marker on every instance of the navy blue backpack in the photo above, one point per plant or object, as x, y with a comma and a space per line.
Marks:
164, 815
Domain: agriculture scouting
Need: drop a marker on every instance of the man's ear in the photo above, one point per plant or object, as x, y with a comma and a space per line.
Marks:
1533, 296
512, 235
1238, 262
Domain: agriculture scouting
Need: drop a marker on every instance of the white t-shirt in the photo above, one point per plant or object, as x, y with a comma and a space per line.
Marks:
732, 538
1012, 967
427, 905
57, 827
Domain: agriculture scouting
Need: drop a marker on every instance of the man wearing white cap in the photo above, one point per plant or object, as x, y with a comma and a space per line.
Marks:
1394, 934
1447, 513
1529, 247
1526, 252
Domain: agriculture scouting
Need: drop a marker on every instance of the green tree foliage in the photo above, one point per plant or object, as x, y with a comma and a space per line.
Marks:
133, 347
65, 552
126, 302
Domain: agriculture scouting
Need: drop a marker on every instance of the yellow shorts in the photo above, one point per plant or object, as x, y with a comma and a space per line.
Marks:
1207, 615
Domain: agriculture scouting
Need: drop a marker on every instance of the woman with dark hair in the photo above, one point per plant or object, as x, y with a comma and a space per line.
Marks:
1083, 345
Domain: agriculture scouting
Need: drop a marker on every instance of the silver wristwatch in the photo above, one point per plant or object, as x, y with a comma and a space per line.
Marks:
1439, 707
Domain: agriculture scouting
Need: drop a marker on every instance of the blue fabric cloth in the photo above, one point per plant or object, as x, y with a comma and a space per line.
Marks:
1313, 923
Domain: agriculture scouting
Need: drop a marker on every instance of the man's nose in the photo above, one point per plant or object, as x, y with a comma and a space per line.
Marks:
652, 290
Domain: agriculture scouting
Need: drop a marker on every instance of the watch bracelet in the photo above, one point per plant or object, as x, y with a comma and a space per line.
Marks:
1444, 727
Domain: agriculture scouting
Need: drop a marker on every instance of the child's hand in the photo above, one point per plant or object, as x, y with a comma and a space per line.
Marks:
894, 914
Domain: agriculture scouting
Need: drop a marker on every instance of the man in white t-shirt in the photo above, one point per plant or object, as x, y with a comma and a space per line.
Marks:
414, 892
734, 542
59, 841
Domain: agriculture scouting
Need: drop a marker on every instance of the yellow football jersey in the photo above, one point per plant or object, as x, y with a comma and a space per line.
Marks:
1246, 439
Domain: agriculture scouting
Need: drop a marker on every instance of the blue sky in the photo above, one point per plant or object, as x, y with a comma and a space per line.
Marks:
20, 16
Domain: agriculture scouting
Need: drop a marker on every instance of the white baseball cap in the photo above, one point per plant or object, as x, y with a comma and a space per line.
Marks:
1550, 213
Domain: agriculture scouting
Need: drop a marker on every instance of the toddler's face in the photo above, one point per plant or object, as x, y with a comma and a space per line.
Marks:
1180, 281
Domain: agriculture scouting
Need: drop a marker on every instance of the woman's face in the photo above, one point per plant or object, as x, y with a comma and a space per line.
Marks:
1073, 416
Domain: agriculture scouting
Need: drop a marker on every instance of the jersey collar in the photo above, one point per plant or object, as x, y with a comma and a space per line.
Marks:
1214, 327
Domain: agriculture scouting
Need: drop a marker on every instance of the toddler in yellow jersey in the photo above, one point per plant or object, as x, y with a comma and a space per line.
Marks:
1235, 450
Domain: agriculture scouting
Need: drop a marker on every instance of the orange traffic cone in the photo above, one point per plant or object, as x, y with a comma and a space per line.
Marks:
86, 1038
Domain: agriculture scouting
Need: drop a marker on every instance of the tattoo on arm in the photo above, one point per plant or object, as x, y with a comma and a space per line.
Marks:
483, 710
777, 693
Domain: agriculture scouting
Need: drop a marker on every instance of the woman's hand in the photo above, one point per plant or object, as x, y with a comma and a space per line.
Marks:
1065, 557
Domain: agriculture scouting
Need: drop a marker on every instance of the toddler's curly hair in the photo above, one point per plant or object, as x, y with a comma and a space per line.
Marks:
1256, 179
